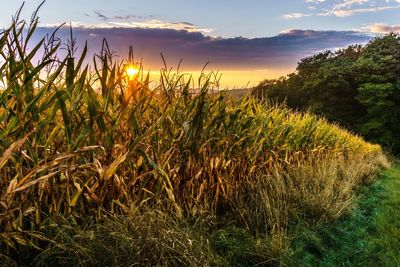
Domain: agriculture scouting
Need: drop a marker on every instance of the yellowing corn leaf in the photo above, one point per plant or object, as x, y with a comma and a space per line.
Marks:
8, 153
77, 195
31, 183
114, 166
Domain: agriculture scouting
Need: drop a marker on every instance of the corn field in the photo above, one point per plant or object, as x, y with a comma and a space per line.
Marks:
73, 144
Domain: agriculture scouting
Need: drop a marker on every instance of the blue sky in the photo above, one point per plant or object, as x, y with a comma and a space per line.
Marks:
267, 37
228, 18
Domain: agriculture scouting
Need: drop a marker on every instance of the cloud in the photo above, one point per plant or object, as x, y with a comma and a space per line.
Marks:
129, 17
101, 16
196, 48
380, 28
295, 15
346, 8
350, 12
349, 4
314, 1
148, 24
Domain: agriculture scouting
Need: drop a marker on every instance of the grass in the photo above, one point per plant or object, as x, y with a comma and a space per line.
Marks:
366, 236
77, 144
138, 239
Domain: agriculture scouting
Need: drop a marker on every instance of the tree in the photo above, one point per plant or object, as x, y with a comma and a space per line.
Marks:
358, 86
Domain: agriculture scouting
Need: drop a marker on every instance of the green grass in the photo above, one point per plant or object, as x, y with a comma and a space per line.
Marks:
237, 247
368, 236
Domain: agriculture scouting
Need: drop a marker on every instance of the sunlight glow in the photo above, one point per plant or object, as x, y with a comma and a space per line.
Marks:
131, 71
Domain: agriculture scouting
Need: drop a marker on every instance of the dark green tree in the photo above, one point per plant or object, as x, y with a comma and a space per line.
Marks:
358, 87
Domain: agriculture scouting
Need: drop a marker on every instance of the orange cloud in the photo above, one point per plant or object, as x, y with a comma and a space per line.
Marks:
380, 28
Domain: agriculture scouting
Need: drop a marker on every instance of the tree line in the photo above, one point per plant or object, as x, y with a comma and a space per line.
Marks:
358, 87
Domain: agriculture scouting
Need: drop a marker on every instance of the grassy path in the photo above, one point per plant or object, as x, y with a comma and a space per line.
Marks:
369, 236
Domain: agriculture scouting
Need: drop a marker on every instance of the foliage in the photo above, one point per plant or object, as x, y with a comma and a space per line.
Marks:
75, 144
358, 86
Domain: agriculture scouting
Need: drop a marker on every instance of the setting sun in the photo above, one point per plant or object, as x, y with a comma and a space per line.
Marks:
131, 71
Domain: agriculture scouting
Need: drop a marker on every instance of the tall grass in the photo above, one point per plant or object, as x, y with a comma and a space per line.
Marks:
72, 144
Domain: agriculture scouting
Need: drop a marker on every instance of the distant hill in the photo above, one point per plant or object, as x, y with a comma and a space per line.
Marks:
239, 92
236, 93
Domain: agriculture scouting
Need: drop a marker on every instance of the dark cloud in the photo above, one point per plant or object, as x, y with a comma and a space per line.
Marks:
128, 17
195, 48
101, 15
187, 23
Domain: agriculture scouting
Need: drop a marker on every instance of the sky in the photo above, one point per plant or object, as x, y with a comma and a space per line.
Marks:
246, 41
